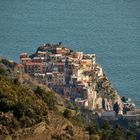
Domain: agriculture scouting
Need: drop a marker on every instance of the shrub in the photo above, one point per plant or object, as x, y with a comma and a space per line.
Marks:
47, 97
67, 113
39, 91
27, 109
116, 108
106, 125
2, 71
94, 137
92, 129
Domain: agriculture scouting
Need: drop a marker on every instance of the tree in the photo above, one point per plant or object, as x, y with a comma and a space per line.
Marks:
39, 91
103, 103
131, 135
92, 129
124, 99
49, 99
16, 81
106, 135
94, 137
106, 125
2, 71
67, 113
118, 133
76, 110
116, 107
20, 109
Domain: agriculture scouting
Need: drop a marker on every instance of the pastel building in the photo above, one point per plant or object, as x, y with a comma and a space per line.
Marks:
55, 79
41, 54
32, 68
49, 78
25, 60
38, 59
24, 55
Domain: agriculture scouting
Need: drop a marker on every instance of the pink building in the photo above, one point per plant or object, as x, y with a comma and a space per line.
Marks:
25, 60
59, 51
33, 68
41, 54
61, 67
38, 59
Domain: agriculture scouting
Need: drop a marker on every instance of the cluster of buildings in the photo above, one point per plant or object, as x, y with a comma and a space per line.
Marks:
72, 74
69, 73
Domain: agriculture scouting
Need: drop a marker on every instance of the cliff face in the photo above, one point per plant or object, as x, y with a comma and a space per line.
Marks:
106, 95
101, 94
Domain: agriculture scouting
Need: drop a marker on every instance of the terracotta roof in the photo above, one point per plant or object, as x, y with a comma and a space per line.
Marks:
32, 63
26, 58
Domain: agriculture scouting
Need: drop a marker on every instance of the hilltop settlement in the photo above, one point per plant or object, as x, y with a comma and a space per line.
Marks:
57, 93
78, 78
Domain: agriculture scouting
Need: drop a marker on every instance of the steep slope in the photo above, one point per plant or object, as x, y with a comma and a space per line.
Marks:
28, 111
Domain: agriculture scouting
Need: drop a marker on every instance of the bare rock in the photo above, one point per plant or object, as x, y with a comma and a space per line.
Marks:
40, 128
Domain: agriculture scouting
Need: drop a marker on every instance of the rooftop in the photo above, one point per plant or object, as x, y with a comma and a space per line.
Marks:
26, 58
32, 63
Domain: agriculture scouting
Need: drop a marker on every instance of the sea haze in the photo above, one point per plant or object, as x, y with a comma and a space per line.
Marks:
109, 28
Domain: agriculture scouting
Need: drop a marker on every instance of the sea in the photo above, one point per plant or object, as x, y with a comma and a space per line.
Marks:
108, 28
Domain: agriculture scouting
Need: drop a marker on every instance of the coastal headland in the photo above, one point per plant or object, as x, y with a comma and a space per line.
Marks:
76, 76
58, 93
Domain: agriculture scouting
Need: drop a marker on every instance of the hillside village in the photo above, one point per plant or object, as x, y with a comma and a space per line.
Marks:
90, 100
76, 76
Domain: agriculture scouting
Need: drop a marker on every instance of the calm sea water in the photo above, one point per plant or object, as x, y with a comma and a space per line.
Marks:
109, 28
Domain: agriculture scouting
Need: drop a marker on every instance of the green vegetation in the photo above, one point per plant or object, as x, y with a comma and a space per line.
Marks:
108, 132
25, 105
20, 106
104, 88
46, 96
20, 102
116, 108
67, 113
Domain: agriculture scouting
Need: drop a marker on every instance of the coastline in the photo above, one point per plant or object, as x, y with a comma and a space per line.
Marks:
65, 66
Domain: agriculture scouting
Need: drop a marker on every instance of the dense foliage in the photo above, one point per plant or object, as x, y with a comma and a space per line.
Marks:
67, 113
21, 102
106, 132
20, 106
46, 96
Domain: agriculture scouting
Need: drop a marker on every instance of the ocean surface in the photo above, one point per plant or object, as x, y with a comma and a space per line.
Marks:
109, 28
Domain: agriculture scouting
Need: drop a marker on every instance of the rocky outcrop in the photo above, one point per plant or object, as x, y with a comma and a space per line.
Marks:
57, 128
107, 96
